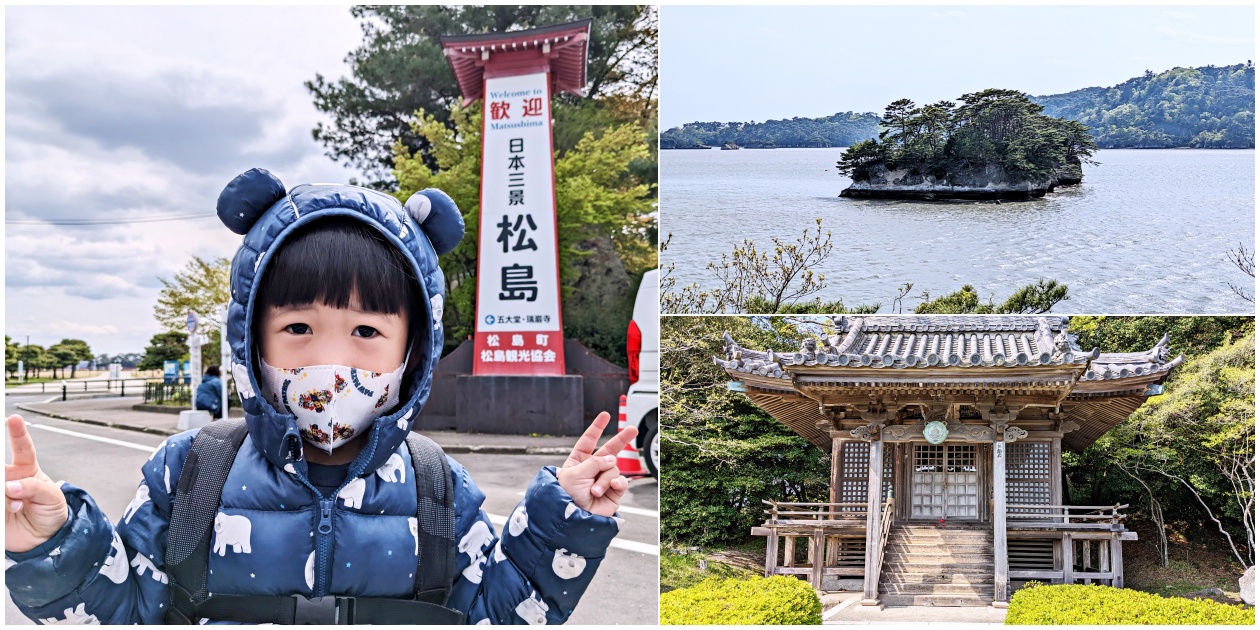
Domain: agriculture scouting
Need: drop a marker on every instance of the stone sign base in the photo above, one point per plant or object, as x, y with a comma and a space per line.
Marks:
550, 405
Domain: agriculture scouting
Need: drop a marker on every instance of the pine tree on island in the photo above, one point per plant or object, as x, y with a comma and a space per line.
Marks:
996, 144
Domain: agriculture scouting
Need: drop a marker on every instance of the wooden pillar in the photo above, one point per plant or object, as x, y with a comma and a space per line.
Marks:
772, 552
874, 488
1000, 564
1069, 559
817, 547
789, 550
1117, 562
837, 447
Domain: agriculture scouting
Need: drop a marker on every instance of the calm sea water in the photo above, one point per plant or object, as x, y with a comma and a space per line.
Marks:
1147, 232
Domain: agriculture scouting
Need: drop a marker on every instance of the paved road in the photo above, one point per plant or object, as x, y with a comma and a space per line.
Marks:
106, 462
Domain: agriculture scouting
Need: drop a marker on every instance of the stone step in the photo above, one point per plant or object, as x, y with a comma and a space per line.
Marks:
935, 600
939, 577
973, 590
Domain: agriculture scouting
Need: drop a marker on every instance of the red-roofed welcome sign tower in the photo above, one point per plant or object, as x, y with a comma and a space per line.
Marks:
518, 328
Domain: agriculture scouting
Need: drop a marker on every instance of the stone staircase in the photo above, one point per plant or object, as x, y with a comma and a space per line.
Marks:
937, 566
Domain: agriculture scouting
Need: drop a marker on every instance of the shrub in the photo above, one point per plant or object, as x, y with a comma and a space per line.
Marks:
779, 600
1079, 604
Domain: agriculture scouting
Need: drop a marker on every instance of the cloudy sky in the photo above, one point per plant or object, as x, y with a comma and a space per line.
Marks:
143, 112
758, 63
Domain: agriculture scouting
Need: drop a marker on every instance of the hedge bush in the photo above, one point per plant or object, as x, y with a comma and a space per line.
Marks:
1080, 604
779, 600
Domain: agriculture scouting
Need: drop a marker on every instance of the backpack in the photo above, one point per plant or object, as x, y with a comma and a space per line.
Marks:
197, 497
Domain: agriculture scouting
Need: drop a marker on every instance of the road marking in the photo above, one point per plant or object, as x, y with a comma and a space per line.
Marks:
86, 436
639, 511
832, 613
624, 508
628, 545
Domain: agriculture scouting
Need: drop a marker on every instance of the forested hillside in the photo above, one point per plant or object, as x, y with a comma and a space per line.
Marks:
838, 130
1210, 107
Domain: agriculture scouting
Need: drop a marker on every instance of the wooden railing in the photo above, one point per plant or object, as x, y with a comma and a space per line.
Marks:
782, 513
885, 525
1104, 517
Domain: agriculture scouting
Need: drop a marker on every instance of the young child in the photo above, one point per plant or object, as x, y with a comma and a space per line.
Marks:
336, 327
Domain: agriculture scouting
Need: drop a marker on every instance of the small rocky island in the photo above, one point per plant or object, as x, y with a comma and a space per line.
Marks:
994, 145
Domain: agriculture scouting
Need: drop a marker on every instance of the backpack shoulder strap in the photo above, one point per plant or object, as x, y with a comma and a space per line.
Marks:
435, 517
197, 498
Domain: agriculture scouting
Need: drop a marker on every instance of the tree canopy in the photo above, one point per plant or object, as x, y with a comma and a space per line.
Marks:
164, 346
838, 130
1210, 107
993, 128
399, 69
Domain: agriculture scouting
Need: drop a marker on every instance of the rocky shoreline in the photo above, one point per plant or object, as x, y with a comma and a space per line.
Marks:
990, 183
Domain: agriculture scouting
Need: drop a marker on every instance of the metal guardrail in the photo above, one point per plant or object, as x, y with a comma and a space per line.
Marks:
88, 386
159, 393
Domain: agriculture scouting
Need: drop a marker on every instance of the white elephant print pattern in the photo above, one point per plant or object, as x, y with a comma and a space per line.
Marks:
519, 521
533, 610
114, 568
77, 616
143, 564
392, 465
567, 565
142, 497
310, 571
352, 494
415, 533
473, 544
231, 531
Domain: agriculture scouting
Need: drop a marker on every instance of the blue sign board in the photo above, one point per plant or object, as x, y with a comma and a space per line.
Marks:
170, 371
187, 372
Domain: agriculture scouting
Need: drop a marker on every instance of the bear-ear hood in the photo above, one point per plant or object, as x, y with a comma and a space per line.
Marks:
257, 205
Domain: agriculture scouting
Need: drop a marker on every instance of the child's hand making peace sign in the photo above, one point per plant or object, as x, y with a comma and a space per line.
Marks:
590, 476
36, 509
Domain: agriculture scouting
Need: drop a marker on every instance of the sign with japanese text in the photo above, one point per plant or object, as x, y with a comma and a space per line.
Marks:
518, 277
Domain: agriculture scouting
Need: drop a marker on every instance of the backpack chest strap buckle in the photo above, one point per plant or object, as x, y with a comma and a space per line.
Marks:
328, 610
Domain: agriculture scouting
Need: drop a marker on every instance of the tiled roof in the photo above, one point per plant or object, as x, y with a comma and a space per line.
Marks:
897, 342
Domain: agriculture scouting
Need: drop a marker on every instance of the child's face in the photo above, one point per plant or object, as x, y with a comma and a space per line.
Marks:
318, 334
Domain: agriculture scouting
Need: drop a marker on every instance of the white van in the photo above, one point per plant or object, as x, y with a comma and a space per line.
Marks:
643, 344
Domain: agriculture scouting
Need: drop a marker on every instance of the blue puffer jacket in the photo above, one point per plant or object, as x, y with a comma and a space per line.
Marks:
266, 539
210, 393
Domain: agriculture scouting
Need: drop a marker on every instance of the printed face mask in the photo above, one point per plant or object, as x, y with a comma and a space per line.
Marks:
332, 403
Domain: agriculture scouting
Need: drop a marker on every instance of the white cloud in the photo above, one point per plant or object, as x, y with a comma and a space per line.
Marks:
133, 112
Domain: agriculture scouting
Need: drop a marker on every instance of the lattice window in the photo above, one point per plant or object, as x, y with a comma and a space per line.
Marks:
945, 481
854, 467
1028, 475
855, 463
929, 458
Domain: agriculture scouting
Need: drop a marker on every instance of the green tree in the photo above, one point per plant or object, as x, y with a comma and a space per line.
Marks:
69, 352
202, 286
33, 359
724, 454
601, 206
10, 357
399, 70
164, 346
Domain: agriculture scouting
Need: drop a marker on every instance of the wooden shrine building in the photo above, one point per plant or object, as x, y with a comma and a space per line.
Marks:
946, 436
